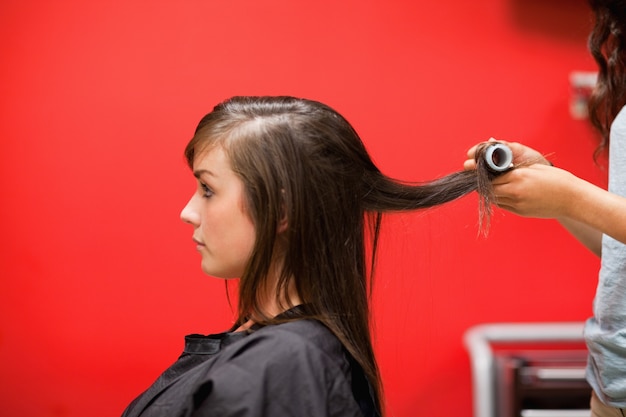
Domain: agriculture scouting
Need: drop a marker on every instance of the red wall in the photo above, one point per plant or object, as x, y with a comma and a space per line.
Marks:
99, 280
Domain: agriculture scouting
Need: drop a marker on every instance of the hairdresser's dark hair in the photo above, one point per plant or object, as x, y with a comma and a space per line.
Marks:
607, 44
300, 160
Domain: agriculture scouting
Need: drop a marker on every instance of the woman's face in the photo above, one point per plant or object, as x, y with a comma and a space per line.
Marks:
222, 230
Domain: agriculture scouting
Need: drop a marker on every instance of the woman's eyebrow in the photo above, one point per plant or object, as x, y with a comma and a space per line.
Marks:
199, 172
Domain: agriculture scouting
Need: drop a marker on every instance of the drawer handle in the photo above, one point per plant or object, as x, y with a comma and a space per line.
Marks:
561, 373
556, 413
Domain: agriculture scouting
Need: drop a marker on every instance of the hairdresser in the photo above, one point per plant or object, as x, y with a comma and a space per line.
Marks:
594, 216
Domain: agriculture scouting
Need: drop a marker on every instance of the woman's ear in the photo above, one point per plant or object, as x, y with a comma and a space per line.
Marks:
283, 223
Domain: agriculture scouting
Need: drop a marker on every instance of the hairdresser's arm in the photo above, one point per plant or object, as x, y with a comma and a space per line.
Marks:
585, 210
587, 235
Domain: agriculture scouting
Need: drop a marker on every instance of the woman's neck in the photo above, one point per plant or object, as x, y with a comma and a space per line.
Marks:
272, 305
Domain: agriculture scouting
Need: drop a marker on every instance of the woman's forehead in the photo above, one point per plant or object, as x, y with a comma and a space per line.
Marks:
211, 158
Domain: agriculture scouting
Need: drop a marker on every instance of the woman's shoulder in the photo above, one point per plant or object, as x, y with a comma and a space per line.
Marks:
301, 351
292, 340
299, 331
300, 364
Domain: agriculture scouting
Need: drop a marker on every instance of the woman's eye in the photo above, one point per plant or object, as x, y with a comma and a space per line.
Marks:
206, 191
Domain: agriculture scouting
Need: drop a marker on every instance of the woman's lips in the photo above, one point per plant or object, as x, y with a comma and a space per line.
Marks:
199, 245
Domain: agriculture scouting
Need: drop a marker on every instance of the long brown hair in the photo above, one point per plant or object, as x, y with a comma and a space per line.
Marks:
301, 160
607, 44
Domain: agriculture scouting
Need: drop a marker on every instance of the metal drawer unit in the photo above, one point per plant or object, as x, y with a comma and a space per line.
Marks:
528, 370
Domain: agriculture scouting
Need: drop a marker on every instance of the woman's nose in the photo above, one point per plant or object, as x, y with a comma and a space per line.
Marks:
190, 214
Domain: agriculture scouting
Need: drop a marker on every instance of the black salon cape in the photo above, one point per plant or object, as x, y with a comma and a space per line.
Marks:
297, 368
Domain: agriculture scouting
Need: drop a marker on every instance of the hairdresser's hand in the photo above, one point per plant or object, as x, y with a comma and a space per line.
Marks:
538, 191
522, 155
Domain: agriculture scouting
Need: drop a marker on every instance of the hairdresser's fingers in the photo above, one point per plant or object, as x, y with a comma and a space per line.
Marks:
471, 153
507, 207
516, 208
503, 202
525, 155
502, 197
469, 164
522, 154
501, 180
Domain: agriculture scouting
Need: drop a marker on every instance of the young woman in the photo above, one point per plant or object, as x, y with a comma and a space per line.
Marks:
286, 192
595, 216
